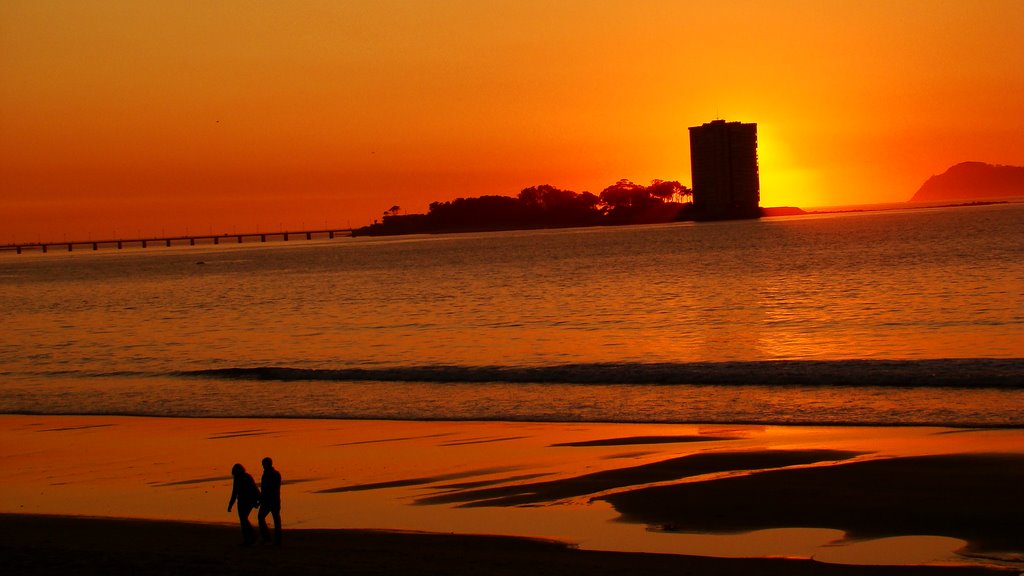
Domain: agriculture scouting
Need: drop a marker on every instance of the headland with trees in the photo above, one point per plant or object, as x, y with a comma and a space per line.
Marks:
546, 206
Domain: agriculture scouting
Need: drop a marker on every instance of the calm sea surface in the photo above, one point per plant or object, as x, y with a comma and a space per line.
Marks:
899, 317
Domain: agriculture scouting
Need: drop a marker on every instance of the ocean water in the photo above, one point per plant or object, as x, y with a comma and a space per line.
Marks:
896, 317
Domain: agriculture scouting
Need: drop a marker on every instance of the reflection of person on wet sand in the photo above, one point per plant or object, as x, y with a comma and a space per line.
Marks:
270, 502
245, 491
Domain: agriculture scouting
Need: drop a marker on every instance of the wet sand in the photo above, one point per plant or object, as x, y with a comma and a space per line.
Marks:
62, 545
812, 492
974, 497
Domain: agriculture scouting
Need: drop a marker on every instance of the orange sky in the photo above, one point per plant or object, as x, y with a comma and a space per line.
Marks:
140, 116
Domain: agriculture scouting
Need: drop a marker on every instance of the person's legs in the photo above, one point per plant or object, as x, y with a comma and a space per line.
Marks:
248, 534
276, 512
261, 519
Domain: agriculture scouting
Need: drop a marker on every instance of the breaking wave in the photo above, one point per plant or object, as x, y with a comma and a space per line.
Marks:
967, 373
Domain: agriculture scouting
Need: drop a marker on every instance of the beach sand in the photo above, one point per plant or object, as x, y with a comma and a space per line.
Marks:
85, 546
837, 495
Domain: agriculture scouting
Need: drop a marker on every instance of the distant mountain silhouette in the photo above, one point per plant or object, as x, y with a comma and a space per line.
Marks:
973, 181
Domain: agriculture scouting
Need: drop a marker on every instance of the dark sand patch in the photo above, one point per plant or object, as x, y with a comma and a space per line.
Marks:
239, 434
624, 455
484, 441
406, 482
666, 470
634, 440
960, 431
38, 545
400, 439
71, 428
193, 481
288, 482
972, 497
482, 483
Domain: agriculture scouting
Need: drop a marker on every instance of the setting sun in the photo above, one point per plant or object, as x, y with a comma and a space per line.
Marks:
784, 181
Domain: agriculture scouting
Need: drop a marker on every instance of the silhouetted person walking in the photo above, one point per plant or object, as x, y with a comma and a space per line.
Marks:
270, 503
245, 491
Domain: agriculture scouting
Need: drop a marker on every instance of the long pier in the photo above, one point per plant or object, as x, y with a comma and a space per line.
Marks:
190, 240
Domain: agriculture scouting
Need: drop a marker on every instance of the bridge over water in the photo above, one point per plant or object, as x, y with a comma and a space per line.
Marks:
190, 240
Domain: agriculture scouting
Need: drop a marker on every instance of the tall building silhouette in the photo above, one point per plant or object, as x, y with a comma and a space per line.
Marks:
723, 161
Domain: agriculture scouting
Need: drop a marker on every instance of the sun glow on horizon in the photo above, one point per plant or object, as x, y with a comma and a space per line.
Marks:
148, 114
784, 181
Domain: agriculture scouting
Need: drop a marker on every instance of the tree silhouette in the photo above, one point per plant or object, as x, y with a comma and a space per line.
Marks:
629, 203
544, 206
